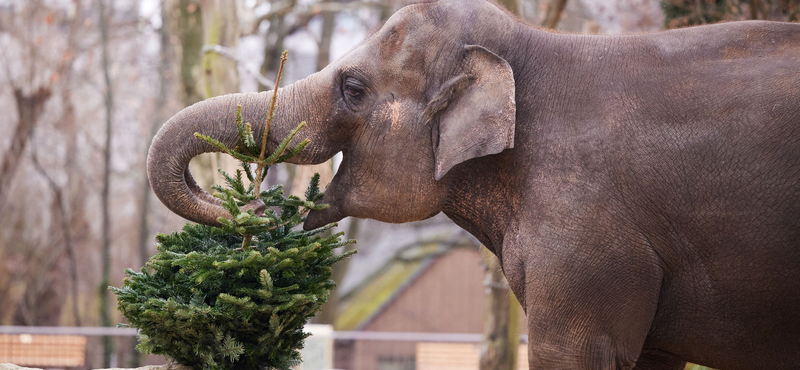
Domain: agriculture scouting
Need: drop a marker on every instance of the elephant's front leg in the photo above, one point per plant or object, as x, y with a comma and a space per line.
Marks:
589, 306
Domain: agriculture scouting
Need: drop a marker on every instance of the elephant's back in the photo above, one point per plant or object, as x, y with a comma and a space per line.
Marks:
707, 155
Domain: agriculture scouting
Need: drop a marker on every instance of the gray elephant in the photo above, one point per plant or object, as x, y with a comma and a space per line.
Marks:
642, 192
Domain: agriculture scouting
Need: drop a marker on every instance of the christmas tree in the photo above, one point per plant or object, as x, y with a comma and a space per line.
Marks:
236, 296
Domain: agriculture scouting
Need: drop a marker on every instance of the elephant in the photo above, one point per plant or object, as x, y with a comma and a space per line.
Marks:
641, 192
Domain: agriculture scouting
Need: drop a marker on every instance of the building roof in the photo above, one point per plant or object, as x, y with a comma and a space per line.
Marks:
381, 289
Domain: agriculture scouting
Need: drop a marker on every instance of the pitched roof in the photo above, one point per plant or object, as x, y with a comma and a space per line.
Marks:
360, 307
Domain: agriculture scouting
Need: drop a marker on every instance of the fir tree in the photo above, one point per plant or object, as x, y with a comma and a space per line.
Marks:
236, 296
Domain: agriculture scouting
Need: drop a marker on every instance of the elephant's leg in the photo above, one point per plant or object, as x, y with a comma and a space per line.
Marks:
595, 352
589, 306
651, 359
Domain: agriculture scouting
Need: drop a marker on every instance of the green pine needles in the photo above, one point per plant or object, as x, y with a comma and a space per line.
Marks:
236, 296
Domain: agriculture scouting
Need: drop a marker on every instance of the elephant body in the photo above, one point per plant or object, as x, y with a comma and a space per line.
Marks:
642, 192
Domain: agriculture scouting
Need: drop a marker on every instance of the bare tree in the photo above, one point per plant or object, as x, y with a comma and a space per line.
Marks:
219, 28
185, 27
555, 8
105, 249
220, 76
511, 5
182, 20
62, 198
61, 213
501, 319
165, 85
37, 61
51, 227
29, 97
29, 108
683, 13
273, 45
324, 45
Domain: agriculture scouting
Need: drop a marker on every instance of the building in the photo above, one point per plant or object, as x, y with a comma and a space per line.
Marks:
432, 293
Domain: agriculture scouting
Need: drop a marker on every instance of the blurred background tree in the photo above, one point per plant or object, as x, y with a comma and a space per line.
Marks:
683, 13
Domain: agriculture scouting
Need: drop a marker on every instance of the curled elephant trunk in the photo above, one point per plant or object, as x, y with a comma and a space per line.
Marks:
175, 144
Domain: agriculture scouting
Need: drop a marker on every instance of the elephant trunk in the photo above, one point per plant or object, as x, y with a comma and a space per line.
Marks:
175, 144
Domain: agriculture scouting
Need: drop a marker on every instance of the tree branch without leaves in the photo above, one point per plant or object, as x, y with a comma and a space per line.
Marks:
230, 54
554, 10
285, 7
105, 308
29, 108
60, 204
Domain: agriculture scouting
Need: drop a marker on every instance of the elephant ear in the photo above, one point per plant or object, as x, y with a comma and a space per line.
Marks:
474, 112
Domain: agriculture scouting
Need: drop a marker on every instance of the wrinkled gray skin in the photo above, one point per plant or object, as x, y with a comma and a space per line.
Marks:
642, 192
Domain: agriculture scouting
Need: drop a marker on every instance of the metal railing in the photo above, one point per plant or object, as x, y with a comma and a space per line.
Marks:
70, 330
324, 348
342, 335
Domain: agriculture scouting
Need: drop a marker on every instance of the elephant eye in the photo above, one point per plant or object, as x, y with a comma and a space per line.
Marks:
354, 90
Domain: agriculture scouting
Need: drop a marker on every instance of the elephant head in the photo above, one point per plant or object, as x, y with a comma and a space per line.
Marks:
409, 106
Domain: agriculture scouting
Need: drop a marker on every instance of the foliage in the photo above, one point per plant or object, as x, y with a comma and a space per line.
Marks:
236, 296
682, 13
690, 366
207, 303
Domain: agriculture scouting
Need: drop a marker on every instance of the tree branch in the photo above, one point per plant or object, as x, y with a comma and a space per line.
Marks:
64, 218
554, 10
285, 7
29, 108
105, 248
230, 54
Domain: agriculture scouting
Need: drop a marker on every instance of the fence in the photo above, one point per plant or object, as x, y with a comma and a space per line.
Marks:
65, 347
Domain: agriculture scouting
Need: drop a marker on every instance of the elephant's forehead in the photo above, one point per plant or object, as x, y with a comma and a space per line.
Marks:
412, 28
413, 45
386, 43
394, 113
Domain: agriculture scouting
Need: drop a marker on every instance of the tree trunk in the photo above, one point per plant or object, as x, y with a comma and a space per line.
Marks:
44, 289
386, 10
221, 75
165, 82
38, 290
29, 107
187, 18
69, 214
105, 307
302, 175
62, 216
511, 5
324, 50
188, 27
501, 319
554, 10
273, 44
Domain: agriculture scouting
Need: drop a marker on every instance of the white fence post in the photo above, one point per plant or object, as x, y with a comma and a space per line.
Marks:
318, 348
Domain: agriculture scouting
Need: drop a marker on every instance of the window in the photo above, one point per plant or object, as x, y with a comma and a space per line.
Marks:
397, 363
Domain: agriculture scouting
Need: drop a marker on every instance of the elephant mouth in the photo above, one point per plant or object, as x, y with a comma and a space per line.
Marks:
321, 218
332, 198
